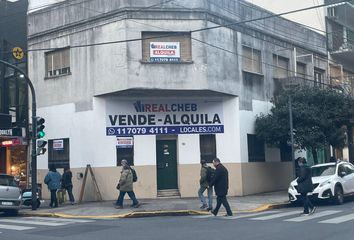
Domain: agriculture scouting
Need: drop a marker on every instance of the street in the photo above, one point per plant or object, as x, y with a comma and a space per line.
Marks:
328, 222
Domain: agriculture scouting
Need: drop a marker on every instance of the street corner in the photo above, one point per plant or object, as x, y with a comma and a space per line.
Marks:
266, 207
161, 213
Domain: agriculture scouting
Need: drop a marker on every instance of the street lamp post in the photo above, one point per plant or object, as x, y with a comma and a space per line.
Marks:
34, 134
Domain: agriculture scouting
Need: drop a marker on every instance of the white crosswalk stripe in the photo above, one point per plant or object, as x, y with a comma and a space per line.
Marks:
14, 227
28, 223
341, 219
316, 215
70, 220
250, 215
277, 215
329, 216
34, 222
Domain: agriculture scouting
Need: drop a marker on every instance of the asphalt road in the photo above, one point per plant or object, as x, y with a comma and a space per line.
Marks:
328, 223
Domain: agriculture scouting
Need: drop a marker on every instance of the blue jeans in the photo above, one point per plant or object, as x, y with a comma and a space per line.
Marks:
121, 198
210, 195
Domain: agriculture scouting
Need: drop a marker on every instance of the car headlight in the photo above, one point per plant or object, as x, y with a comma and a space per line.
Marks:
325, 183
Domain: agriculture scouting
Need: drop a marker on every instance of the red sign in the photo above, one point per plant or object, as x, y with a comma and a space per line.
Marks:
10, 143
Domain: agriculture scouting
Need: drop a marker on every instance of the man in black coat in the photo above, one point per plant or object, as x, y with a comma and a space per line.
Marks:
221, 186
304, 182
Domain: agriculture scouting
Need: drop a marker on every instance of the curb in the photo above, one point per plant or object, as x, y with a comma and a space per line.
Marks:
161, 213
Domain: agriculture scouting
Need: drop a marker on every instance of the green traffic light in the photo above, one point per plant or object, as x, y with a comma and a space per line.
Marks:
41, 134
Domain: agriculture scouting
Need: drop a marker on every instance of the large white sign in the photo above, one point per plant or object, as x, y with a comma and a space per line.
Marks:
164, 52
141, 117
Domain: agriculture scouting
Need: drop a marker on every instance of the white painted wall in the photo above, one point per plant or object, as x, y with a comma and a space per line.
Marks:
90, 145
247, 124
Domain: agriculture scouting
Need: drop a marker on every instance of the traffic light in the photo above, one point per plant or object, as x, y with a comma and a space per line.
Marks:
40, 127
41, 147
40, 134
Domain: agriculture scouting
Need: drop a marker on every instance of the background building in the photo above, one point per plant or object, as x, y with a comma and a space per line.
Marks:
340, 43
171, 95
13, 90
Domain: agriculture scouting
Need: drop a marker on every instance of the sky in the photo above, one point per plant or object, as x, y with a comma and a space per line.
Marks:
313, 18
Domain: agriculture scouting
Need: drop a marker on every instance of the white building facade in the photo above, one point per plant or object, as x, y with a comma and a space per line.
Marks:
168, 97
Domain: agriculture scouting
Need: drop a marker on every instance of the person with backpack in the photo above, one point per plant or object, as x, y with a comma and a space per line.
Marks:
53, 179
206, 174
125, 185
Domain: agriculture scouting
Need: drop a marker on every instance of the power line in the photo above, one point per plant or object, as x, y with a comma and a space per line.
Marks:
270, 16
211, 45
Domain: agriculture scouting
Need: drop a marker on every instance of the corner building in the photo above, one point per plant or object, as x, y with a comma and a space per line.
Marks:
170, 99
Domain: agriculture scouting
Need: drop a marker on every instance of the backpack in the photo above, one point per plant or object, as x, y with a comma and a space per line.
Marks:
210, 174
135, 177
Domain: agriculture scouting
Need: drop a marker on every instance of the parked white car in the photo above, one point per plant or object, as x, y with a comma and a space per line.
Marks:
10, 194
331, 181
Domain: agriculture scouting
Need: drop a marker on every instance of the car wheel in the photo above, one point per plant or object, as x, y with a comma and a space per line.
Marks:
338, 195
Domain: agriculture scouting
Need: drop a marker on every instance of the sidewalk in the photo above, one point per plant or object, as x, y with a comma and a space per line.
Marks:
158, 207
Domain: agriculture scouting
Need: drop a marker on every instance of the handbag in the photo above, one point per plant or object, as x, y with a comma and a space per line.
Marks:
118, 186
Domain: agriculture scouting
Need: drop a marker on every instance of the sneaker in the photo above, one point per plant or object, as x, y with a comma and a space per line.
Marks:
227, 215
209, 209
203, 206
214, 213
119, 207
136, 205
313, 210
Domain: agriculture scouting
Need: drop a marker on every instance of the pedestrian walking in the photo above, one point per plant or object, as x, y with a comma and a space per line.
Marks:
53, 179
125, 185
305, 186
67, 184
206, 174
221, 186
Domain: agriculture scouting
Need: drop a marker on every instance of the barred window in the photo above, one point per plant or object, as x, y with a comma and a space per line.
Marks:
58, 62
251, 60
207, 147
59, 153
281, 67
256, 150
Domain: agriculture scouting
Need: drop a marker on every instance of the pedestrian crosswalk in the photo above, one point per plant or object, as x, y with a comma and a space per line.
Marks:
292, 216
29, 223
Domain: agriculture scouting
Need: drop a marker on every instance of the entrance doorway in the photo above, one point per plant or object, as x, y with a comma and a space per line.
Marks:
166, 165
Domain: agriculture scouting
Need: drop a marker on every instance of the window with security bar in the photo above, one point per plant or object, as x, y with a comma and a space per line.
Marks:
251, 60
58, 62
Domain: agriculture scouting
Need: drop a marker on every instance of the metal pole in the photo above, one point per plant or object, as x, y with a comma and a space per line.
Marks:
33, 137
292, 135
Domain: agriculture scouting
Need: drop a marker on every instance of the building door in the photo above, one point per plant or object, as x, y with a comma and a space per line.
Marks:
166, 164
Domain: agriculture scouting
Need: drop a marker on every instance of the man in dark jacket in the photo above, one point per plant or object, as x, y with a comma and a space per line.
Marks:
221, 186
66, 183
304, 182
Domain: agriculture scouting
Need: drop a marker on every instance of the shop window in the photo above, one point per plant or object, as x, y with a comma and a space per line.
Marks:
59, 153
251, 60
207, 147
256, 150
280, 67
166, 47
125, 150
58, 62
